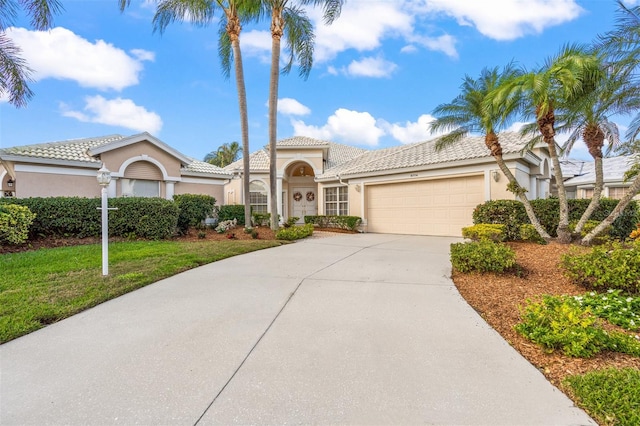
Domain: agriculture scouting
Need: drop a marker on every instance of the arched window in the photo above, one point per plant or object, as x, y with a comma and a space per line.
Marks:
258, 197
141, 179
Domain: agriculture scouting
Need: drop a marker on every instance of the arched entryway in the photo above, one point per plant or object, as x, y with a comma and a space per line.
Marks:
302, 190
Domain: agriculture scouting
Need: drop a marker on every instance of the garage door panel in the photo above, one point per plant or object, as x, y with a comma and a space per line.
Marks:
433, 207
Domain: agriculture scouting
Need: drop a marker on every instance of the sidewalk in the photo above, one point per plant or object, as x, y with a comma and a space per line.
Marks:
352, 329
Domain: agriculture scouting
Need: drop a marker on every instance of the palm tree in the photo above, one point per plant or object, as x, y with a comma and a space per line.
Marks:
289, 20
14, 71
201, 12
540, 94
226, 154
473, 112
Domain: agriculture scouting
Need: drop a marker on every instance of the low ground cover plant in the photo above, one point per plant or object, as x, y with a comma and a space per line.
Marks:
332, 221
226, 225
482, 256
610, 266
560, 323
295, 232
611, 395
614, 306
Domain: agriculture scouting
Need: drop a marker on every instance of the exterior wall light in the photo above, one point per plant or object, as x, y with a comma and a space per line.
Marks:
10, 183
496, 175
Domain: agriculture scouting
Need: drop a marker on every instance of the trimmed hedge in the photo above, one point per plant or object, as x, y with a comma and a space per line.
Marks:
482, 256
511, 213
153, 218
343, 222
230, 212
194, 209
484, 231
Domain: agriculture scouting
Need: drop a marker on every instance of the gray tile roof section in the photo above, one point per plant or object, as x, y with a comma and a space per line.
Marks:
70, 150
571, 167
424, 154
298, 141
340, 154
614, 169
258, 161
197, 166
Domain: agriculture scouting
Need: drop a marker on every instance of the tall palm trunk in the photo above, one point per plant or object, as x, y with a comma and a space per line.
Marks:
546, 126
277, 28
233, 29
615, 213
594, 139
492, 142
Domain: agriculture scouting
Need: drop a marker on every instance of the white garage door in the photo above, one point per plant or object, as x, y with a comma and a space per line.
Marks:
430, 207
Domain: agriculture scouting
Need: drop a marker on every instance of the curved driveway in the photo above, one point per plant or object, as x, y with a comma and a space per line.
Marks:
352, 329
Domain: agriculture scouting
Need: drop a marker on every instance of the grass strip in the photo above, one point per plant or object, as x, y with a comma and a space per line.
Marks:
44, 286
610, 396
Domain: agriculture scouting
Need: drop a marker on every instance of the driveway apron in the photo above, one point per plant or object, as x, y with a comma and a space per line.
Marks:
352, 329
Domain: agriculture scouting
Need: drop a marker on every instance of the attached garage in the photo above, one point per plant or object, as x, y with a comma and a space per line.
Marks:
428, 207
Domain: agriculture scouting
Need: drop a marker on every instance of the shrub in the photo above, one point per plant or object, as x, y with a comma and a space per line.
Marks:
588, 227
617, 308
560, 323
333, 221
485, 231
611, 266
528, 233
194, 209
225, 225
14, 223
509, 213
482, 256
151, 218
230, 212
295, 232
291, 221
261, 219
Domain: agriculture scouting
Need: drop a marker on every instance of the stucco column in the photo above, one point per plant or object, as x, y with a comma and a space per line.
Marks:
533, 188
170, 188
279, 198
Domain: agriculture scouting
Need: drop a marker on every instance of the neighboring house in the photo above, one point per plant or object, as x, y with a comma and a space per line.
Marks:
580, 177
140, 165
408, 189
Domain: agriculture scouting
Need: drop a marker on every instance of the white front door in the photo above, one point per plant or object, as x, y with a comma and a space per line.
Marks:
305, 202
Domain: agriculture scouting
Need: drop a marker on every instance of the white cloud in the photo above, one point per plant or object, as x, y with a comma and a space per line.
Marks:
411, 132
354, 127
61, 54
116, 112
289, 106
256, 43
506, 19
444, 43
371, 67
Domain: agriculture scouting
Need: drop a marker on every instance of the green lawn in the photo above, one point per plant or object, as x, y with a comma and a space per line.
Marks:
40, 287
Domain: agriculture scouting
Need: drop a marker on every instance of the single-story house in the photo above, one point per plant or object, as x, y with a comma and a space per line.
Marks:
580, 177
407, 189
140, 165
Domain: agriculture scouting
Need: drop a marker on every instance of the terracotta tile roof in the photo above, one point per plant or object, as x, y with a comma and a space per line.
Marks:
70, 150
424, 154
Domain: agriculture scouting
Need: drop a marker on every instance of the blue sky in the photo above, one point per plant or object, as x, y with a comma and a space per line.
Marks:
379, 71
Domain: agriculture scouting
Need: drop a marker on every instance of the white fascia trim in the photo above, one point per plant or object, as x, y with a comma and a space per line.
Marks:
140, 137
28, 168
51, 161
204, 181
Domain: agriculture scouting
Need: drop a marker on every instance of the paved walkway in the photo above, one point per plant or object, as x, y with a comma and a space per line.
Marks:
353, 329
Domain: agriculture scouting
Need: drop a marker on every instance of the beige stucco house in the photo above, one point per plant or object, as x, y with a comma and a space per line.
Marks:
408, 189
140, 165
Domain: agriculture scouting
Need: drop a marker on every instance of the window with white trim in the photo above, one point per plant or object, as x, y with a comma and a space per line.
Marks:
140, 188
336, 201
587, 193
258, 197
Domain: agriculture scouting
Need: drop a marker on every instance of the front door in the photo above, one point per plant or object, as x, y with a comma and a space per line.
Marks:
304, 202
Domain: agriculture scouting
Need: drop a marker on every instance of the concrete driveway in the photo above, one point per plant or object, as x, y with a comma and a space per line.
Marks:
352, 329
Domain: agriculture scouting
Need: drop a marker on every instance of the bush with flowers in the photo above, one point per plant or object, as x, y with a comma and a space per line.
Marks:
224, 226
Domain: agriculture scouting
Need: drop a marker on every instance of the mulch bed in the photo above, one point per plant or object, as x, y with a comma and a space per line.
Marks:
497, 298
